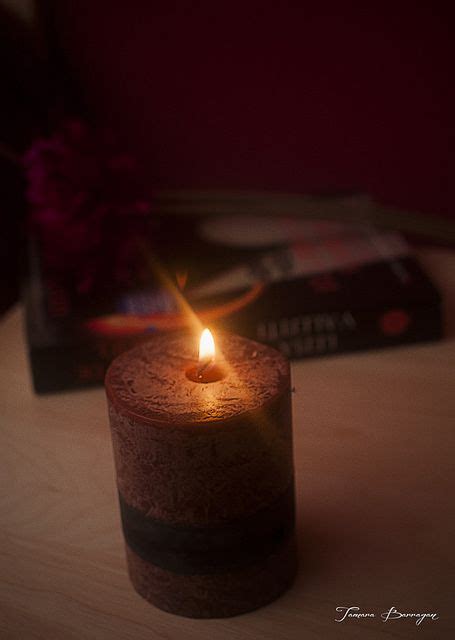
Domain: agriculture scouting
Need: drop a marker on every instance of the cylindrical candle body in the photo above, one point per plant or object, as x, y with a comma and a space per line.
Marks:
205, 475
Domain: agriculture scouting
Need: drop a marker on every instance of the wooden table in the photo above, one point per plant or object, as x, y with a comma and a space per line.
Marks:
374, 449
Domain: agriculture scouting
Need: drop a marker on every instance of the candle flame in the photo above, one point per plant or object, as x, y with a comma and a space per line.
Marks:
206, 346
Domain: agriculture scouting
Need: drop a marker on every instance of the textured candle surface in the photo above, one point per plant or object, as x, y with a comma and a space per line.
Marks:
151, 380
204, 472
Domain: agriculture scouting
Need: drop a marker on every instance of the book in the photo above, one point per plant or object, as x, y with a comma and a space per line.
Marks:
307, 287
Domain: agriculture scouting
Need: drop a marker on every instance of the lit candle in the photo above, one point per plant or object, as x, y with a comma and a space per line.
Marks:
207, 369
203, 452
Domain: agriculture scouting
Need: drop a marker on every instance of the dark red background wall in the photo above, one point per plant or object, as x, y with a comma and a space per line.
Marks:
282, 95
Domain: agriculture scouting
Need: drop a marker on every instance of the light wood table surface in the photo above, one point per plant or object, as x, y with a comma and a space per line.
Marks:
374, 452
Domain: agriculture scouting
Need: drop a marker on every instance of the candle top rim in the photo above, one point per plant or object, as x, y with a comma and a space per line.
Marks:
149, 382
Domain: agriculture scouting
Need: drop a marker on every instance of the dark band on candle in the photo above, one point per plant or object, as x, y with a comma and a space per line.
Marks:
191, 550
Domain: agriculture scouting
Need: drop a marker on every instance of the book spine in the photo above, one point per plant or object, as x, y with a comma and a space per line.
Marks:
316, 334
303, 336
84, 364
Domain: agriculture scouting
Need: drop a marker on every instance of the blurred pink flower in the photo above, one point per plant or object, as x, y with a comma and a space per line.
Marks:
86, 207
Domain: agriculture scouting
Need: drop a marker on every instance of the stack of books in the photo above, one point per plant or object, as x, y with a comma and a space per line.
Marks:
309, 287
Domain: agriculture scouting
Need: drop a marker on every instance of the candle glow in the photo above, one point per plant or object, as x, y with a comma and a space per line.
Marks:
206, 370
206, 347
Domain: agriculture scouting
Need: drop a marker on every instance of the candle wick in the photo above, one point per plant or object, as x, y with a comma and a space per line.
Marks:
202, 367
